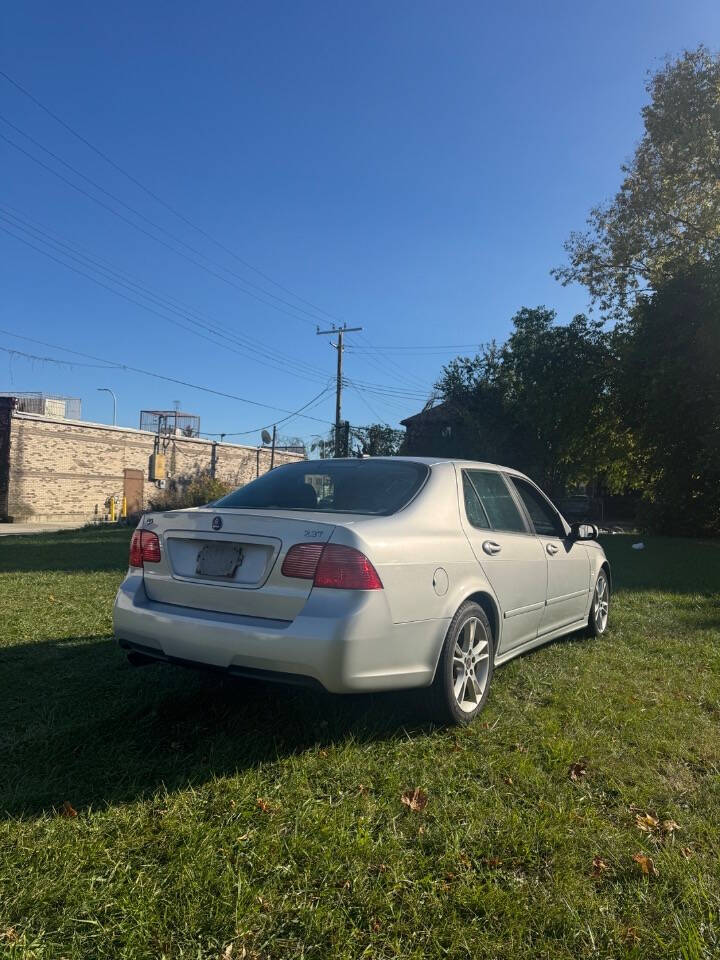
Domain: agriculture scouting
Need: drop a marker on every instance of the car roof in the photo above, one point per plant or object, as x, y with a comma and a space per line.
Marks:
433, 461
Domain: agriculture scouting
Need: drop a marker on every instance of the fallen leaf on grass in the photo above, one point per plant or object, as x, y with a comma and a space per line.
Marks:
577, 770
599, 866
646, 864
669, 826
415, 799
68, 810
264, 805
646, 822
686, 852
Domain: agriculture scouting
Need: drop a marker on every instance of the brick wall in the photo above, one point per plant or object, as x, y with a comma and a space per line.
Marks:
65, 470
6, 406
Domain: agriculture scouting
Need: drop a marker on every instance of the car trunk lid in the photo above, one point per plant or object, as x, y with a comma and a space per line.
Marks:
229, 561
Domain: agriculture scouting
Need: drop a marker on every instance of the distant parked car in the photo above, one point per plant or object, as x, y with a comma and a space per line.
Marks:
364, 574
578, 507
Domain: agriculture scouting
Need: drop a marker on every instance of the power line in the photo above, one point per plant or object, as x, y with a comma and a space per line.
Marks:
66, 363
159, 199
399, 392
367, 403
385, 392
276, 423
118, 293
436, 347
384, 366
147, 233
397, 404
388, 367
137, 287
305, 371
111, 364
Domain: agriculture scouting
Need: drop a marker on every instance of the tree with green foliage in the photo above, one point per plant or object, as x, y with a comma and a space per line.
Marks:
376, 440
667, 210
669, 392
541, 402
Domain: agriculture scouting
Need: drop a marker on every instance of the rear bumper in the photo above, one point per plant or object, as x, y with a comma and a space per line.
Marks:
344, 640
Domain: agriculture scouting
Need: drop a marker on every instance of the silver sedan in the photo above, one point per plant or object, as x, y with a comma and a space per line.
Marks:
364, 574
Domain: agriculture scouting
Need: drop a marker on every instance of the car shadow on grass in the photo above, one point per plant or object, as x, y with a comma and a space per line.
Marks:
81, 725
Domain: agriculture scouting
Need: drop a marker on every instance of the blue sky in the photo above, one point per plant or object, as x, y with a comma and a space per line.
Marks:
410, 167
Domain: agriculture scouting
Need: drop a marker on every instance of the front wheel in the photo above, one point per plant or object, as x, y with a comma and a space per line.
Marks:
465, 669
600, 607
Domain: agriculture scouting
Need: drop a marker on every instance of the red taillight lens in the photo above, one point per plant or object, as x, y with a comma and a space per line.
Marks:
301, 560
346, 569
150, 547
144, 548
331, 565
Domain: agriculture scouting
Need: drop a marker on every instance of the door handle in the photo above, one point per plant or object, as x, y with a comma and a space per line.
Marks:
552, 549
489, 546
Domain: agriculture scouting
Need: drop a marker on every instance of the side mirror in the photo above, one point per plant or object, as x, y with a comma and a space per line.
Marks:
584, 531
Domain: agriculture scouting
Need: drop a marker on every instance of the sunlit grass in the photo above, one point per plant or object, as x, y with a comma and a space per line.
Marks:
171, 855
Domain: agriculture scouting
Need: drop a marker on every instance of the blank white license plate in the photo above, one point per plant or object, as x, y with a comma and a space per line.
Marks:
218, 559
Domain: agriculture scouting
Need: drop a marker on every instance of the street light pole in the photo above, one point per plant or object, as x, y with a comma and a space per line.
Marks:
112, 394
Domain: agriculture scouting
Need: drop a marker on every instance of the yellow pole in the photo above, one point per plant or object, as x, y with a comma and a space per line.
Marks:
123, 508
112, 509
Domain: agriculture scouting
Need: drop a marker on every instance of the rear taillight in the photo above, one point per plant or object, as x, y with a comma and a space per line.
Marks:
144, 548
331, 565
301, 560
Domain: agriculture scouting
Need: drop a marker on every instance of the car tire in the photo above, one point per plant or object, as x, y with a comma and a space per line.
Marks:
465, 668
600, 606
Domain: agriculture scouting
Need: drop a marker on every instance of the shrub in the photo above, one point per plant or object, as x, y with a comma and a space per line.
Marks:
189, 490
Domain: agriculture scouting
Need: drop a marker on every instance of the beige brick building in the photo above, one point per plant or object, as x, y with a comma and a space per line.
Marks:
54, 470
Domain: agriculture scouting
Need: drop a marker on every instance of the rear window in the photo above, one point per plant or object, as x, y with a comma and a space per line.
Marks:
374, 487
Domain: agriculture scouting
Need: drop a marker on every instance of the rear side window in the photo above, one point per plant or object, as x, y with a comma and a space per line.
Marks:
495, 500
544, 517
372, 487
473, 508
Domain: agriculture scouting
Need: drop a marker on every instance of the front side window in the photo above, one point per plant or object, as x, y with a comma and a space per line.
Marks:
544, 518
372, 487
496, 501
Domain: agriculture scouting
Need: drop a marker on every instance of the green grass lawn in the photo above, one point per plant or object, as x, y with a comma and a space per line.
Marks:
217, 819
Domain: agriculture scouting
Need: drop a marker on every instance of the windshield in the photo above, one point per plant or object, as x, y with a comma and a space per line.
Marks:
375, 487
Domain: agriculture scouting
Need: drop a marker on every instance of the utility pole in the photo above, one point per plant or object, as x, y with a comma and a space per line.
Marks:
339, 346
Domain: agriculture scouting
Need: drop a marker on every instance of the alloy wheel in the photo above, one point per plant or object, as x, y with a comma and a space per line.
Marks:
471, 664
601, 604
